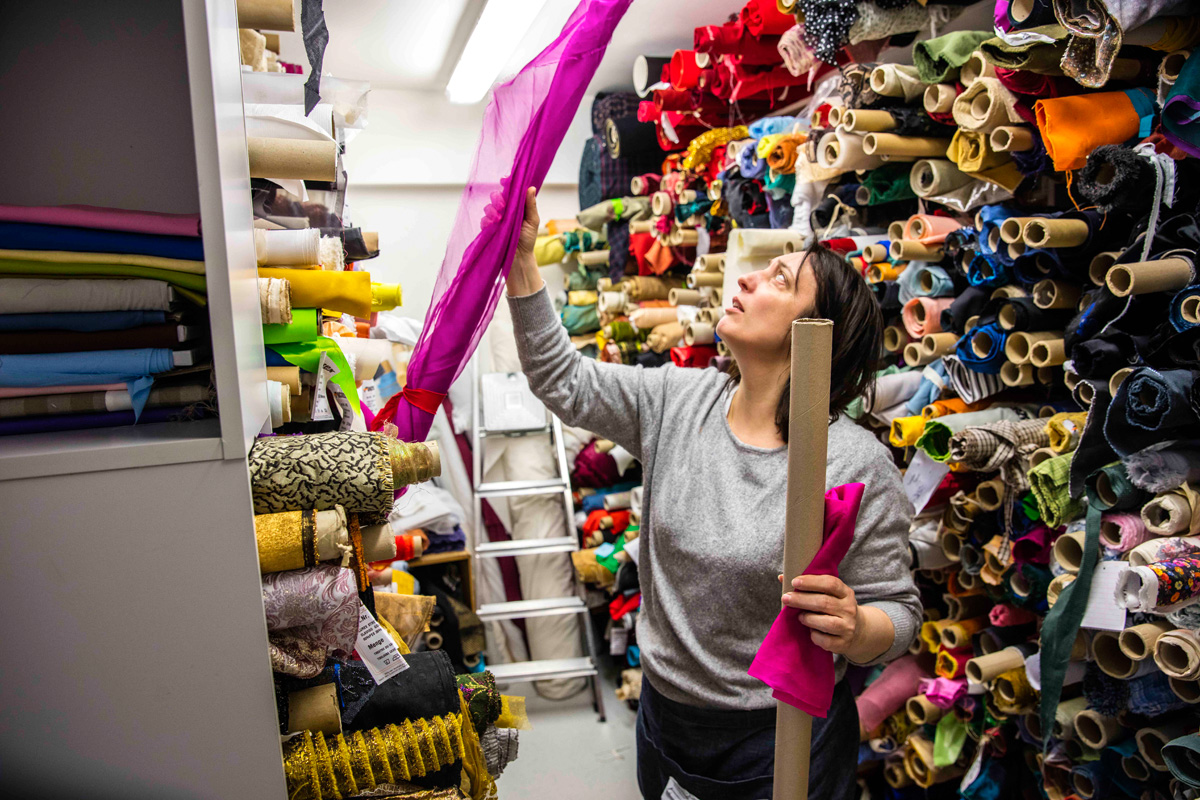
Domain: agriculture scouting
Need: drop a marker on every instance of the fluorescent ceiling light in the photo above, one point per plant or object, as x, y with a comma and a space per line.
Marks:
498, 33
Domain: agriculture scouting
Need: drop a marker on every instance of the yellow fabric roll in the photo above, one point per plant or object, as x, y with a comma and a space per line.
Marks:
132, 259
1065, 429
512, 713
700, 149
906, 430
345, 292
973, 154
548, 250
582, 297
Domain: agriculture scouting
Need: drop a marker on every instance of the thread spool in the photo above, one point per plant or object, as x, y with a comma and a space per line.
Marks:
922, 711
1011, 139
939, 344
683, 297
1011, 229
270, 15
696, 280
1018, 348
712, 262
915, 356
1012, 374
1137, 641
695, 333
894, 338
902, 250
292, 159
1144, 277
315, 709
863, 120
875, 253
896, 147
939, 98
1068, 551
982, 669
1043, 233
1048, 353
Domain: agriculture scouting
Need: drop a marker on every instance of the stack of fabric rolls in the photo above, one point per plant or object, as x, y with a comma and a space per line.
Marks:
102, 319
1022, 200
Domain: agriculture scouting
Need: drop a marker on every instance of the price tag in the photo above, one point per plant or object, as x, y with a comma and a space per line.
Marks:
922, 478
321, 410
376, 648
1102, 612
368, 393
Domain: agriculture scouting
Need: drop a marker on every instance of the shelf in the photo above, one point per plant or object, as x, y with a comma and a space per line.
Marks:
544, 670
440, 558
37, 455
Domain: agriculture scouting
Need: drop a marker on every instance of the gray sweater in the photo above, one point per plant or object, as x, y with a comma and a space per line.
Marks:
713, 513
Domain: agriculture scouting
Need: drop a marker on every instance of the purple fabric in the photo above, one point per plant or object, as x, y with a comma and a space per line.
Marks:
97, 419
523, 127
109, 219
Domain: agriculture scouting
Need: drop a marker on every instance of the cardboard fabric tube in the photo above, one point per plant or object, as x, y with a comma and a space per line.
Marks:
875, 253
1011, 229
909, 250
894, 338
683, 297
685, 195
1150, 741
918, 762
939, 344
1057, 584
716, 296
1187, 691
896, 229
270, 15
1083, 393
1137, 641
914, 356
1096, 730
1118, 378
982, 669
712, 262
967, 606
1177, 653
921, 710
593, 257
288, 376
1044, 233
958, 634
895, 775
683, 237
661, 204
1048, 353
379, 542
990, 494
1012, 374
315, 709
1144, 277
1101, 263
952, 546
1190, 310
976, 67
1040, 455
1068, 550
808, 433
866, 121
294, 159
1106, 650
891, 144
698, 333
1050, 293
835, 116
723, 349
939, 98
1135, 767
1018, 348
697, 279
761, 241
641, 226
981, 343
1011, 139
1064, 717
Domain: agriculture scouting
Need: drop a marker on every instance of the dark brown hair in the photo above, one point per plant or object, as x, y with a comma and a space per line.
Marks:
844, 298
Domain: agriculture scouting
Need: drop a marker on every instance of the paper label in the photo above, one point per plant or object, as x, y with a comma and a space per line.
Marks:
368, 393
1102, 612
922, 478
376, 648
674, 791
321, 410
619, 641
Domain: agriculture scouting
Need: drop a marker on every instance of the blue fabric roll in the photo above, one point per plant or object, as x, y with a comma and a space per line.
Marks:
28, 236
1183, 758
941, 284
1177, 320
1151, 695
1150, 407
750, 165
991, 218
929, 389
987, 270
134, 368
989, 363
772, 125
594, 502
81, 321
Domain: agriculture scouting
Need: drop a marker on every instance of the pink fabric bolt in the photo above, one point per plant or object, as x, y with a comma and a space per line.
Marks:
1034, 547
1133, 530
525, 122
800, 672
1005, 616
942, 692
108, 219
887, 694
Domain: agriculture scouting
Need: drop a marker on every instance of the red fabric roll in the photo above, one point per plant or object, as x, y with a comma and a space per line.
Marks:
648, 111
763, 17
733, 39
695, 356
1020, 81
621, 605
639, 246
620, 520
685, 72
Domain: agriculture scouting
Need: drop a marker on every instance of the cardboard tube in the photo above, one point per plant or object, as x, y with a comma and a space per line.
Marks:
712, 262
896, 229
593, 257
1150, 741
875, 253
1187, 691
294, 159
966, 606
641, 226
922, 711
894, 338
1064, 717
808, 433
683, 297
1190, 309
1011, 228
939, 98
685, 195
1144, 277
976, 67
1050, 293
1101, 264
1135, 767
1118, 378
315, 709
379, 541
723, 349
894, 145
914, 356
1018, 348
1048, 353
990, 494
1083, 393
1040, 455
981, 343
695, 280
1044, 233
288, 248
835, 116
958, 634
1011, 139
939, 344
761, 241
683, 237
952, 546
1106, 650
1137, 642
863, 120
661, 204
1016, 374
1068, 551
1096, 730
895, 775
270, 15
909, 250
982, 669
288, 376
1177, 653
698, 333
966, 580
918, 763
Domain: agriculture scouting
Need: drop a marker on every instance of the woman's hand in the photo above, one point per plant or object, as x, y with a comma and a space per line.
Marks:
828, 607
524, 278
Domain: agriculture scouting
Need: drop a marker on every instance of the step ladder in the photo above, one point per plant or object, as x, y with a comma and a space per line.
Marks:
530, 413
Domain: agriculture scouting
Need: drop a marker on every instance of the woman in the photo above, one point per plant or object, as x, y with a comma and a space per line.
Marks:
713, 449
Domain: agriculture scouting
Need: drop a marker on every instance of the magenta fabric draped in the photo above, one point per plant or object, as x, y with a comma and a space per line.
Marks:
523, 127
801, 673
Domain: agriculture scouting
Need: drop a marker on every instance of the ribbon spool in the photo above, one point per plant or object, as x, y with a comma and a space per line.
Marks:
1145, 277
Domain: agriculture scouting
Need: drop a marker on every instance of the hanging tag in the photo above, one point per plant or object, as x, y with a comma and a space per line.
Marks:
320, 404
376, 648
619, 643
922, 479
344, 407
368, 393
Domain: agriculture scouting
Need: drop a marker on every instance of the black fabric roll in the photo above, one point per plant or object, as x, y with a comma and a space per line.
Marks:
1097, 359
747, 203
590, 192
1116, 177
609, 105
966, 305
822, 212
915, 122
891, 298
625, 137
425, 689
354, 245
1031, 318
1093, 451
999, 638
617, 234
647, 71
651, 359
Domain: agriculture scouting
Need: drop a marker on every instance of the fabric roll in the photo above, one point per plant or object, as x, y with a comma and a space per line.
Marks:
1110, 488
182, 280
1177, 654
275, 300
1122, 532
983, 349
1163, 549
937, 435
991, 447
33, 236
48, 295
426, 689
82, 321
304, 327
132, 367
85, 421
1049, 483
968, 383
65, 257
38, 391
1159, 469
148, 336
985, 105
1072, 127
923, 315
1179, 109
298, 539
939, 60
1173, 513
972, 153
106, 219
1150, 406
109, 400
310, 613
1182, 756
1064, 430
1160, 587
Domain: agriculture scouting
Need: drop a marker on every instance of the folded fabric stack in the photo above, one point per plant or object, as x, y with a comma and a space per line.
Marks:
102, 319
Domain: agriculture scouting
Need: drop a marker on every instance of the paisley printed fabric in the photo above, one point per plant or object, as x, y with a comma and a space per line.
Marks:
310, 613
320, 471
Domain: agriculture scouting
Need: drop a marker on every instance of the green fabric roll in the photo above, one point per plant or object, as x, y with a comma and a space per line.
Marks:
307, 356
939, 60
1128, 496
1038, 57
935, 440
183, 280
1049, 483
948, 740
581, 319
610, 561
889, 183
1062, 624
582, 279
304, 327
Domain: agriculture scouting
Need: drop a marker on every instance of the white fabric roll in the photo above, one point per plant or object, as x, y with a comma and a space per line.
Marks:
286, 248
275, 401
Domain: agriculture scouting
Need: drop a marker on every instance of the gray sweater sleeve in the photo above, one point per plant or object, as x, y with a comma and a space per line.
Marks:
611, 400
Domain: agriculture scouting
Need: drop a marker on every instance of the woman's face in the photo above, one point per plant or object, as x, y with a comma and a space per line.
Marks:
759, 317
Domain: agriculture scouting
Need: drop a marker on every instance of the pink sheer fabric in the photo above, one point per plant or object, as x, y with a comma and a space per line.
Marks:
800, 672
523, 127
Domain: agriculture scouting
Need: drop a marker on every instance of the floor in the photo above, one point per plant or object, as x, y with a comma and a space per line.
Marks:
570, 753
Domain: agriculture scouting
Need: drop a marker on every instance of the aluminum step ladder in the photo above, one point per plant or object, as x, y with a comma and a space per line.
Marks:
563, 668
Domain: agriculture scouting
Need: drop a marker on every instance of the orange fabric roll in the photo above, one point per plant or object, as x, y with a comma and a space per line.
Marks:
1074, 126
934, 228
932, 323
940, 408
782, 157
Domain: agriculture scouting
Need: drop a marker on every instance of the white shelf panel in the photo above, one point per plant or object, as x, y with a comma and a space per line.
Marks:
37, 455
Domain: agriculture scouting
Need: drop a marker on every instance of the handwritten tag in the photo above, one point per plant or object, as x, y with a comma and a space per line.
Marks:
321, 409
1102, 612
376, 648
922, 478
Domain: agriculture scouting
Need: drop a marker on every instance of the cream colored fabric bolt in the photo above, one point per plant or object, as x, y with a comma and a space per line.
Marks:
275, 300
986, 105
1173, 513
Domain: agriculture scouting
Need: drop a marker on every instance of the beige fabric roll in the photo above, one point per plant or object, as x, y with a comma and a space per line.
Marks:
1177, 653
663, 337
985, 105
1173, 513
275, 300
